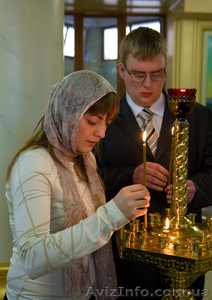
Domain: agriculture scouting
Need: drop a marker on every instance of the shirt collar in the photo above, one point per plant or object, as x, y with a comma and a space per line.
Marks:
157, 108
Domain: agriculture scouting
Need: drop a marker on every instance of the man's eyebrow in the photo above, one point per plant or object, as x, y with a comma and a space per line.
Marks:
158, 70
141, 72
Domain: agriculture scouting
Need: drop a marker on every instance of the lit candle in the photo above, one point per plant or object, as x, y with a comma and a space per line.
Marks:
171, 154
144, 157
167, 226
167, 223
144, 170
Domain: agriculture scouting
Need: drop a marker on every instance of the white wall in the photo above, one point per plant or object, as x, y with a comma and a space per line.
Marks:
31, 60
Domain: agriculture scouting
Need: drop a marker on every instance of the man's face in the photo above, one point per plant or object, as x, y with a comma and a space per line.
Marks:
143, 93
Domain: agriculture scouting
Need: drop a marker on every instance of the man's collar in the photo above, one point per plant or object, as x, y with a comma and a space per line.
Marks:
157, 108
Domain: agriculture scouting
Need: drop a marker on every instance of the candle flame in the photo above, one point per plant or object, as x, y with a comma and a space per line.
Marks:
183, 90
144, 136
167, 223
172, 130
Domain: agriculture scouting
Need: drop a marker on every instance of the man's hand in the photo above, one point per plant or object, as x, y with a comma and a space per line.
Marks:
156, 176
191, 190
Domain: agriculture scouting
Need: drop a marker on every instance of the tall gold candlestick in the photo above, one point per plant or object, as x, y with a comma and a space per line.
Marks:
144, 170
171, 155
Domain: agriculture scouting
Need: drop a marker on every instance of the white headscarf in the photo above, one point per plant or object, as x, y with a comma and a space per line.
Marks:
70, 99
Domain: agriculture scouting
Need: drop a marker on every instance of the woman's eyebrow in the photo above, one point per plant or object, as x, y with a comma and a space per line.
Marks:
101, 118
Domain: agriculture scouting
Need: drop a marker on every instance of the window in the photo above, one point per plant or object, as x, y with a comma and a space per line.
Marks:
97, 45
68, 41
96, 58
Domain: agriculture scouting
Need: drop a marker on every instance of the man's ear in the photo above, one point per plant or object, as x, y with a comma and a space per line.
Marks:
166, 65
121, 70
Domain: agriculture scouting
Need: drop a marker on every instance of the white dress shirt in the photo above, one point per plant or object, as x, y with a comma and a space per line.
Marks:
157, 110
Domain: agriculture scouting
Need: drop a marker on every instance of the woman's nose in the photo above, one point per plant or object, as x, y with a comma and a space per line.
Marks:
100, 132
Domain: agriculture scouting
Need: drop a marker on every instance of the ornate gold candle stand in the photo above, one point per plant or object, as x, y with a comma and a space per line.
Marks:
182, 250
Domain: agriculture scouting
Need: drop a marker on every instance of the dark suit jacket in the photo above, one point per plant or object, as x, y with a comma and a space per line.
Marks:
121, 151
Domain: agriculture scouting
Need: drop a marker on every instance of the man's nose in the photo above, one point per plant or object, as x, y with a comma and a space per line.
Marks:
147, 81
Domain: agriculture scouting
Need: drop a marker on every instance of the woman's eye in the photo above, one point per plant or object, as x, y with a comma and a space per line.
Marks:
92, 123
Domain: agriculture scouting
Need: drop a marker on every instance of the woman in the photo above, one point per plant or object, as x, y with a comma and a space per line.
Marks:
60, 223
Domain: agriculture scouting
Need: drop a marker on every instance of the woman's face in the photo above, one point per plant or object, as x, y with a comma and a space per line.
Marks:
91, 130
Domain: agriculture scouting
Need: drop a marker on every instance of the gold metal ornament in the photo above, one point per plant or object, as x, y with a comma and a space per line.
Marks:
182, 249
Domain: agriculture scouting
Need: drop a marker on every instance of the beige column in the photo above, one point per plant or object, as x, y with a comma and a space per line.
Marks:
31, 60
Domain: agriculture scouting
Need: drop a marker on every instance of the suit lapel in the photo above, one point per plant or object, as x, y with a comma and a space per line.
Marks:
133, 130
165, 137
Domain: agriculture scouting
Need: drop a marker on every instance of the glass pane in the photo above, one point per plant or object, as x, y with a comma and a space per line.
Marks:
64, 34
68, 44
110, 38
156, 23
94, 47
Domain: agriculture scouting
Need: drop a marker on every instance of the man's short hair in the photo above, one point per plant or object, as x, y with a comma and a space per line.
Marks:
143, 43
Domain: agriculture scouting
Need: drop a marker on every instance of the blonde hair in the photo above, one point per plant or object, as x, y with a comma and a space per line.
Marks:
108, 104
143, 43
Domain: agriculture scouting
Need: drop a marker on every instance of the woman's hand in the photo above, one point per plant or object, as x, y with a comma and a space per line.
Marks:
133, 201
156, 176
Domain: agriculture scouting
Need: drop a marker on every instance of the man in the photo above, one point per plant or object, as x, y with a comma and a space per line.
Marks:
143, 54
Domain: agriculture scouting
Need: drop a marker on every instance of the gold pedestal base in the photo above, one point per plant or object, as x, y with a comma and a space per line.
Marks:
180, 255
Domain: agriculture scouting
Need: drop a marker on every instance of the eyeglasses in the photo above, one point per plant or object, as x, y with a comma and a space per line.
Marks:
154, 76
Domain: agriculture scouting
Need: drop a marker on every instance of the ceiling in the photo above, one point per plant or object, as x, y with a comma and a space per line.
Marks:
110, 7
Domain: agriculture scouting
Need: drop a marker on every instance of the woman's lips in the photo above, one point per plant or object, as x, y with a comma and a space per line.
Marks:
91, 143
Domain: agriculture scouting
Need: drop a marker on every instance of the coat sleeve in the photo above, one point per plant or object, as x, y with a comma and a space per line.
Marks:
115, 178
202, 178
